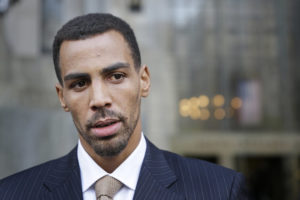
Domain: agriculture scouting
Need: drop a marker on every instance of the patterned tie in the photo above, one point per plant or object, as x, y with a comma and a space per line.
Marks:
106, 187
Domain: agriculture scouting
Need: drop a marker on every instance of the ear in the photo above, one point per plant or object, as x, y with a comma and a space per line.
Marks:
60, 94
145, 81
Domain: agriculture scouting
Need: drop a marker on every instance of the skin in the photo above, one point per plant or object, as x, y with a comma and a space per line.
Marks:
98, 74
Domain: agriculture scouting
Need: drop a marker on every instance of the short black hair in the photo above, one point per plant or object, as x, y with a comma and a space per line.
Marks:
89, 25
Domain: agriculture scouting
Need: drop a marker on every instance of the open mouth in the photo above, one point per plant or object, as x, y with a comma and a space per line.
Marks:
101, 125
105, 128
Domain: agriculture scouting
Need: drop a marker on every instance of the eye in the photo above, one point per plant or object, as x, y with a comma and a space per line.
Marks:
78, 84
117, 77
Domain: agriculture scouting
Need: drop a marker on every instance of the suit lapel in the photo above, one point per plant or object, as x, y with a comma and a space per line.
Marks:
63, 180
156, 178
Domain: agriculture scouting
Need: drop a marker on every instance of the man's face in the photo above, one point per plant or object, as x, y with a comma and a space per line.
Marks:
102, 90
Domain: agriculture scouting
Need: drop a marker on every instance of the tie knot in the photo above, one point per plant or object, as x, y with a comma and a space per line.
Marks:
106, 187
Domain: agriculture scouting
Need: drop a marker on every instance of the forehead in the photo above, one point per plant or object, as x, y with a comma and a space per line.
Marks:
101, 49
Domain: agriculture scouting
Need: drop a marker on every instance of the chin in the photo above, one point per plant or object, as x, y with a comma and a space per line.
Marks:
109, 148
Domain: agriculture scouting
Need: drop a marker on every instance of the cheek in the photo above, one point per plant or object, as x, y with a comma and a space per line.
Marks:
76, 99
78, 105
79, 117
132, 100
126, 93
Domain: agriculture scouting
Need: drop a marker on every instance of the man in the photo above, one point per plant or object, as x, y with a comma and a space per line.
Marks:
101, 82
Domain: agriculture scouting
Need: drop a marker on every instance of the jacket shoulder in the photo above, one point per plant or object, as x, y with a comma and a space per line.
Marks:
38, 170
29, 182
194, 174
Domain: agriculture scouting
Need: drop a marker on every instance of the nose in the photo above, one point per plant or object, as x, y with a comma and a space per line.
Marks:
99, 96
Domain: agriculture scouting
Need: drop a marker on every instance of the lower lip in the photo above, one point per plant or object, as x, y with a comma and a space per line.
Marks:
107, 130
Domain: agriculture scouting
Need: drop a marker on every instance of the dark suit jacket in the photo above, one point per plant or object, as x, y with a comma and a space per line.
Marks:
163, 175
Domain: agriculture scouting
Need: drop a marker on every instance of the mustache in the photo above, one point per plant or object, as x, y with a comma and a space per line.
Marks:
104, 113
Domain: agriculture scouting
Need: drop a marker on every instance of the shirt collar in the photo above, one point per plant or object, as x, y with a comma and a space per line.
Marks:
128, 172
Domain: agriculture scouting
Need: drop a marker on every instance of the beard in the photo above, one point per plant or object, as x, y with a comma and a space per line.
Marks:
111, 145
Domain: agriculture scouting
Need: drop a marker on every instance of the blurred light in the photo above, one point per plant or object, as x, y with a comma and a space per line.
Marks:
236, 103
195, 113
203, 101
194, 101
184, 107
219, 113
205, 114
218, 100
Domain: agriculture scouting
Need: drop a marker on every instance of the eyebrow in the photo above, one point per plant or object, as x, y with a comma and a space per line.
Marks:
113, 67
76, 76
106, 70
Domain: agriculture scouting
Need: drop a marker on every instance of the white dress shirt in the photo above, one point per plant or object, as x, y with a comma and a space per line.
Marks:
128, 172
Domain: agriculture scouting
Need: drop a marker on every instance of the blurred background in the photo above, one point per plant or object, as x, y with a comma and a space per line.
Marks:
225, 76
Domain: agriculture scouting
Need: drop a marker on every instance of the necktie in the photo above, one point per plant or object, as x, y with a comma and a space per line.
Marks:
106, 187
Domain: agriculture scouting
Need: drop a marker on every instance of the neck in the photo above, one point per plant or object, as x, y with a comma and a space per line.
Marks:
110, 163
